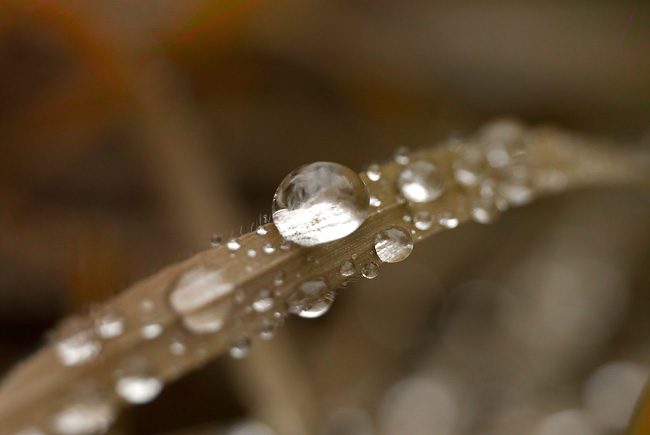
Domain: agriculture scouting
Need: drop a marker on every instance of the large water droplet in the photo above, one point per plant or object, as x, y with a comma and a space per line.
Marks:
318, 308
306, 294
240, 346
348, 268
203, 299
393, 245
109, 322
136, 384
75, 341
421, 181
370, 270
319, 203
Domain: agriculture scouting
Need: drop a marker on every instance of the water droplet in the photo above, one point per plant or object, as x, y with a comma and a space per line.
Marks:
318, 308
239, 295
470, 166
407, 218
504, 141
517, 192
354, 256
306, 294
319, 203
488, 188
348, 268
278, 280
265, 329
89, 417
240, 347
285, 245
423, 220
264, 301
233, 245
401, 155
75, 341
135, 383
216, 240
268, 249
262, 231
109, 322
447, 220
370, 270
421, 181
393, 245
178, 345
374, 201
151, 331
374, 172
202, 298
484, 210
251, 253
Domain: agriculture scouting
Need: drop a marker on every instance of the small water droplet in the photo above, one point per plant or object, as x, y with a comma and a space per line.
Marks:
374, 201
306, 294
447, 220
178, 345
151, 331
109, 322
423, 220
348, 268
136, 384
268, 249
421, 181
470, 166
89, 417
393, 245
374, 172
285, 245
318, 308
370, 270
216, 240
354, 256
265, 329
484, 210
233, 245
401, 155
278, 280
75, 341
240, 346
319, 203
251, 253
262, 231
239, 295
407, 218
264, 301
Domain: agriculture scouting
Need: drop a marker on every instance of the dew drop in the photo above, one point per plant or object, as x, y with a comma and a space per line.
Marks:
348, 268
285, 245
374, 172
407, 218
420, 181
261, 231
216, 240
320, 202
470, 166
318, 308
268, 249
135, 383
393, 245
251, 253
233, 245
374, 201
370, 270
265, 329
264, 301
109, 322
178, 345
151, 331
484, 210
447, 220
75, 341
240, 347
401, 155
307, 293
278, 279
423, 220
90, 417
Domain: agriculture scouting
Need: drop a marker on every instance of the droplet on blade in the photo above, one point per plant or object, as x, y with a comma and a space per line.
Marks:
423, 220
75, 341
318, 308
370, 270
421, 181
135, 382
306, 294
319, 203
393, 244
348, 268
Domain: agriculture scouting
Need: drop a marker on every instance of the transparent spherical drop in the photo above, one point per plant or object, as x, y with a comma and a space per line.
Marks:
307, 293
420, 181
374, 172
84, 418
109, 322
447, 220
393, 245
319, 308
75, 341
320, 202
484, 210
370, 270
423, 220
348, 268
470, 166
240, 347
138, 389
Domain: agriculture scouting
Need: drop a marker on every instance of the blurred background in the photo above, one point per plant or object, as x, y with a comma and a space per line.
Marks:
133, 130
